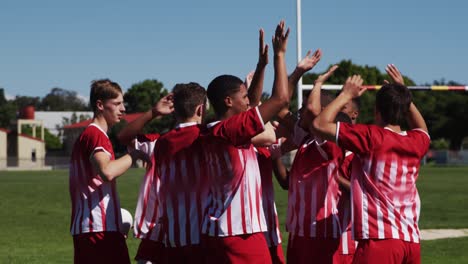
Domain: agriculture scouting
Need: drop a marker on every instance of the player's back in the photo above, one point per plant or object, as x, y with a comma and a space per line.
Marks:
386, 202
183, 188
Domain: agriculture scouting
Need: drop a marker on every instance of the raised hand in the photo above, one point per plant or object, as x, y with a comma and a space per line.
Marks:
262, 50
353, 86
280, 39
164, 106
309, 62
324, 77
395, 74
248, 79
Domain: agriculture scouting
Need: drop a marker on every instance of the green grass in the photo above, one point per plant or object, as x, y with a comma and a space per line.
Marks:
35, 214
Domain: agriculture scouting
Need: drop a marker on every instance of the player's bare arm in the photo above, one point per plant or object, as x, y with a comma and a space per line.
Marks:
256, 84
313, 105
110, 169
266, 138
324, 124
306, 64
280, 95
164, 106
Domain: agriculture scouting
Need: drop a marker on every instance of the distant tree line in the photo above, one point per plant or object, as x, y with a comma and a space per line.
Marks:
446, 113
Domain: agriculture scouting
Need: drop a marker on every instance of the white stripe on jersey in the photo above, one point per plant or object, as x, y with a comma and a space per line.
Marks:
380, 224
365, 217
391, 217
301, 209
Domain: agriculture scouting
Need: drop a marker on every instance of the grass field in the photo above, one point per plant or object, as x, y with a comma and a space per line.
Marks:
35, 214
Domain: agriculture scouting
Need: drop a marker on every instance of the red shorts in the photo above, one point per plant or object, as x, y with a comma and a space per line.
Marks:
312, 250
186, 254
276, 253
248, 249
100, 247
150, 250
387, 251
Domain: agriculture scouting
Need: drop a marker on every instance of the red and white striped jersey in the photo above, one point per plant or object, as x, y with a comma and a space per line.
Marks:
386, 203
95, 203
273, 235
313, 190
235, 198
347, 244
184, 189
146, 223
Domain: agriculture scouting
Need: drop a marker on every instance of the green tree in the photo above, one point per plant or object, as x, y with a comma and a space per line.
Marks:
62, 100
446, 113
52, 142
141, 97
7, 110
22, 101
371, 76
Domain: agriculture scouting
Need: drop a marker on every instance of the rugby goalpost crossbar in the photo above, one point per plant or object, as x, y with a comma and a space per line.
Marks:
301, 86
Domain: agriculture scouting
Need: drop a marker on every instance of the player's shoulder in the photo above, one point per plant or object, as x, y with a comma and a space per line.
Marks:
148, 137
419, 132
94, 132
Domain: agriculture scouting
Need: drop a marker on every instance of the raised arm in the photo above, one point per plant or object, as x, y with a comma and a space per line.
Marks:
324, 124
163, 107
266, 138
305, 65
280, 95
313, 105
256, 85
414, 119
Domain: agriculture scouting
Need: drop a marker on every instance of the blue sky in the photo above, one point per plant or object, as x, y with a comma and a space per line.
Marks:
51, 43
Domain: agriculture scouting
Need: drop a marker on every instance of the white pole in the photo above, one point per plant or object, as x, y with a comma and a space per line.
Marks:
299, 50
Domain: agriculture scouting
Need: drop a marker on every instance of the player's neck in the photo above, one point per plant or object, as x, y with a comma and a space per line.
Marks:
394, 128
100, 121
193, 119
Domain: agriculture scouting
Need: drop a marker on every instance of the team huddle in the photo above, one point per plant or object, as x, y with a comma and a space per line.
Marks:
207, 193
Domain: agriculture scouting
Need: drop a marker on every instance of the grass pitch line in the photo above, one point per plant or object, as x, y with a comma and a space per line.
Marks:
431, 234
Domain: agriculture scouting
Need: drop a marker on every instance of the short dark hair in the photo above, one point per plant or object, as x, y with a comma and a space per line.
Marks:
221, 87
392, 102
103, 89
356, 103
342, 117
187, 96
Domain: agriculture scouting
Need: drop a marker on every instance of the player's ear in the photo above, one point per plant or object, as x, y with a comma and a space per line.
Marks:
228, 101
99, 105
200, 110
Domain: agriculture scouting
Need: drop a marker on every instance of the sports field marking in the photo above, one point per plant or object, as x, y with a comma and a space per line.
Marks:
431, 234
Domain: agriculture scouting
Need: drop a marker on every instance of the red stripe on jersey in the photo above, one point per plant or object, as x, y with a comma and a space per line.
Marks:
242, 209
